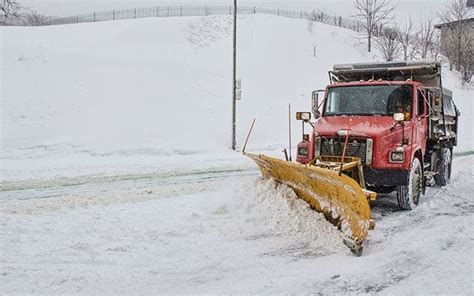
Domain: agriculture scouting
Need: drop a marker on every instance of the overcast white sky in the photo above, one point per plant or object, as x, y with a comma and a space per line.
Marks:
415, 8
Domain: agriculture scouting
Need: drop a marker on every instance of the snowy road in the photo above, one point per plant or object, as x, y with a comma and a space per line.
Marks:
227, 232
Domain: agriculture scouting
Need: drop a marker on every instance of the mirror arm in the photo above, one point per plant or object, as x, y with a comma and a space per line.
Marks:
396, 124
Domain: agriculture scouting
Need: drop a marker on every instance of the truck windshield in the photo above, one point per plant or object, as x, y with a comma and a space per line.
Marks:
369, 100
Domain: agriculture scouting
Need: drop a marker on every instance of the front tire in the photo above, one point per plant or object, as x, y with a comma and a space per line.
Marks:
444, 167
408, 196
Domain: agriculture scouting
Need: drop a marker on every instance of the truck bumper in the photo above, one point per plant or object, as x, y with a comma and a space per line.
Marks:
385, 177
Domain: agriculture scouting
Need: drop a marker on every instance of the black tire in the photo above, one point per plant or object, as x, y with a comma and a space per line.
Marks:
408, 196
444, 167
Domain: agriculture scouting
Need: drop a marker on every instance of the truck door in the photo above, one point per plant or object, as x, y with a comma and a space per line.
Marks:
421, 127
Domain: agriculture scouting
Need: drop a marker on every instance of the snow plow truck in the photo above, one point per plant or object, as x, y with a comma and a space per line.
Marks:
378, 128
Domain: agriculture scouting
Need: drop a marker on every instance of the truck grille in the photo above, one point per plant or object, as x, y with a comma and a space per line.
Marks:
335, 147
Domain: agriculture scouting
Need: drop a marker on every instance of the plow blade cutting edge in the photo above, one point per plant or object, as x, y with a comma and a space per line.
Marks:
340, 198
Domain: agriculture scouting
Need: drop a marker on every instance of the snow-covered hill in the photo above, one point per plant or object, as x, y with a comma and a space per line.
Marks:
100, 96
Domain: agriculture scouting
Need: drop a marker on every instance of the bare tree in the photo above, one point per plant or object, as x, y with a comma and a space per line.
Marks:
458, 39
10, 8
389, 44
407, 37
374, 14
426, 37
33, 18
435, 48
318, 16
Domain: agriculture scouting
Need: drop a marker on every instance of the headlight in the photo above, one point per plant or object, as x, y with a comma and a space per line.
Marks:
369, 151
302, 151
397, 156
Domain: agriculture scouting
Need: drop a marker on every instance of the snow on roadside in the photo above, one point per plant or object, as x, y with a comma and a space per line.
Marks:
171, 244
281, 212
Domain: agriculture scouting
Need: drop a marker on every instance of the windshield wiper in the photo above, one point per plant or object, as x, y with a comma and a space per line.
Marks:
358, 114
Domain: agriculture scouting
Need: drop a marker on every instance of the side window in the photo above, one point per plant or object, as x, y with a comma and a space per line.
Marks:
421, 102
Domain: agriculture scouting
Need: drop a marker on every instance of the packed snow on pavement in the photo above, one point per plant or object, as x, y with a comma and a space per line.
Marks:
236, 234
116, 175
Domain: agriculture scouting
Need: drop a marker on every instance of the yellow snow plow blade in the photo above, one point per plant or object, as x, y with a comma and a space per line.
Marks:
342, 200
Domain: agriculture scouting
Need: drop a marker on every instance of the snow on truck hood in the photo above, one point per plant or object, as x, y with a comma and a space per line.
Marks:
362, 126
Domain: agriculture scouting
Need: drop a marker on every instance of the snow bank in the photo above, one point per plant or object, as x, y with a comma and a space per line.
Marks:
280, 212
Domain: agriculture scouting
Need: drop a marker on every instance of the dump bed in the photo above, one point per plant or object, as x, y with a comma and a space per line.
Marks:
426, 72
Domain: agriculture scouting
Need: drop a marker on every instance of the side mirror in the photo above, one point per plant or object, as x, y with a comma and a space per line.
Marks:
315, 104
399, 117
304, 116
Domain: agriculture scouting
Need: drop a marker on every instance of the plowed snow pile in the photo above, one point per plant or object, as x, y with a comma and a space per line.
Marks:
276, 209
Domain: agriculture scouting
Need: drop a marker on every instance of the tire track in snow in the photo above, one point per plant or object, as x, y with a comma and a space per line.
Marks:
89, 184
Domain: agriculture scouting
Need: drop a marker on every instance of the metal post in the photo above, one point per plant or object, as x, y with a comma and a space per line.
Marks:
94, 16
248, 136
113, 15
289, 131
134, 13
234, 77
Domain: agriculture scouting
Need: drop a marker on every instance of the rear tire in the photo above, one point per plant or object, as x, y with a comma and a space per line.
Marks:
408, 196
444, 167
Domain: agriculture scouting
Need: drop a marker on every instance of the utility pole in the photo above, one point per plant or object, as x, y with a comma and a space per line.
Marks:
234, 77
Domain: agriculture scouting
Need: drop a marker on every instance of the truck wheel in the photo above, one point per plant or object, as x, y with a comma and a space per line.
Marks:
444, 167
408, 196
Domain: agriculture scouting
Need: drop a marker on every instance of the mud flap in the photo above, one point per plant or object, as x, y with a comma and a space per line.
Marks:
340, 198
